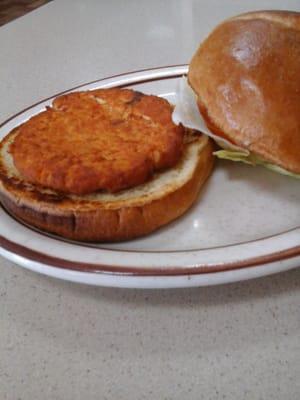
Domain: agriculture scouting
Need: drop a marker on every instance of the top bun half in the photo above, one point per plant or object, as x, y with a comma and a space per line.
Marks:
246, 76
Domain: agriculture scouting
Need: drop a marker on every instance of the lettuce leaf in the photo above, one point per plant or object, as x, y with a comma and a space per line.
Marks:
252, 160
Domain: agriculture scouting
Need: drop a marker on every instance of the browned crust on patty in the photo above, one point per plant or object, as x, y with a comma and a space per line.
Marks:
247, 78
105, 139
93, 221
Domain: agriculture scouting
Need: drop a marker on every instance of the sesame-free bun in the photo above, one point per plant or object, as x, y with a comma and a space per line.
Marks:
246, 76
104, 216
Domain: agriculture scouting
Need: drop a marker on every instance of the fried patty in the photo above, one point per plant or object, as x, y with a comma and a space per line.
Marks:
105, 139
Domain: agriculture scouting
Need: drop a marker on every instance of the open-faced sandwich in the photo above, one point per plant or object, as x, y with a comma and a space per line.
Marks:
102, 165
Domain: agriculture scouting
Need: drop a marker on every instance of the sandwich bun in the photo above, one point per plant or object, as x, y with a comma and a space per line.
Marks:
246, 76
104, 215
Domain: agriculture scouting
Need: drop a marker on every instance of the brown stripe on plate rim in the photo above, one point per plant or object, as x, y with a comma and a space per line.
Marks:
51, 261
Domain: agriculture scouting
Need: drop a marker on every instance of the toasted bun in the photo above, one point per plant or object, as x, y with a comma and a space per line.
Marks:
105, 216
246, 75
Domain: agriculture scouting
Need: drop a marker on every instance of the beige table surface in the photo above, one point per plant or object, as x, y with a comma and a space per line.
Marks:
60, 340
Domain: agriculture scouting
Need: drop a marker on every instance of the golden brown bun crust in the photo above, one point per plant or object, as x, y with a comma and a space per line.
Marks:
92, 221
105, 139
247, 78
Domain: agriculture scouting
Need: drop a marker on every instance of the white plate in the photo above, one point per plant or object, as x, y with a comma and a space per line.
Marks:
245, 224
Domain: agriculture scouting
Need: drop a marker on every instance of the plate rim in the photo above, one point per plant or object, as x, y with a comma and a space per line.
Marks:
121, 270
64, 264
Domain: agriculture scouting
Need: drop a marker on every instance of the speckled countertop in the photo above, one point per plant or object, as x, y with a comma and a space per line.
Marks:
60, 340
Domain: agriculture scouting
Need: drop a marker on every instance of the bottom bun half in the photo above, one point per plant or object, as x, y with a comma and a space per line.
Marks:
103, 217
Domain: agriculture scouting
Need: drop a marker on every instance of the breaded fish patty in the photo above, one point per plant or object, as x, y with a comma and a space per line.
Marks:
105, 139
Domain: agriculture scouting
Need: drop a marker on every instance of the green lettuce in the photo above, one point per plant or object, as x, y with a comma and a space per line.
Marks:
249, 158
